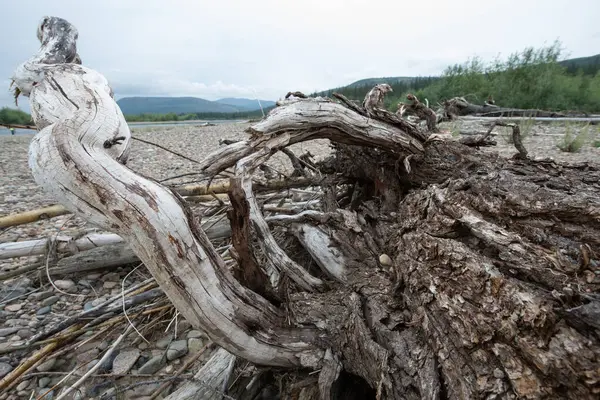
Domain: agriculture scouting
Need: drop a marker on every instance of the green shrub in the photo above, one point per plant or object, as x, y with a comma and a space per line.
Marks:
572, 142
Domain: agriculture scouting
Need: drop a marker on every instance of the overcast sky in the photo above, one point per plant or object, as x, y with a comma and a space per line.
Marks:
236, 48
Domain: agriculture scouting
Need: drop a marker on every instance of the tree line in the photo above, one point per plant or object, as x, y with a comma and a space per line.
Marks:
13, 116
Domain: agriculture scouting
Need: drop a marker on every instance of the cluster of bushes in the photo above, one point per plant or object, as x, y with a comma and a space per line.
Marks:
14, 117
533, 78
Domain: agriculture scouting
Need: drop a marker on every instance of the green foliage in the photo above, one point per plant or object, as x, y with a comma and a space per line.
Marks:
573, 142
14, 117
530, 79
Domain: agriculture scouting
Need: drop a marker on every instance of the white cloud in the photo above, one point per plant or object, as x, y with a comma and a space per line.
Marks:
232, 47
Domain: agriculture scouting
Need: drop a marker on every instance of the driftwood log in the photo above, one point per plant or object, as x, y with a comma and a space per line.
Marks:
458, 106
445, 273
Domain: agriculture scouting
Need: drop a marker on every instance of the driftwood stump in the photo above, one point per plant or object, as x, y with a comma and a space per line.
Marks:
438, 272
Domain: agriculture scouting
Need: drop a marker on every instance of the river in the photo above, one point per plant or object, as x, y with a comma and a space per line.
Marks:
5, 131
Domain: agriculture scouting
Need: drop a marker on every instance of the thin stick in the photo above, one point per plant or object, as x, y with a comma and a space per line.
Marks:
165, 149
97, 366
123, 301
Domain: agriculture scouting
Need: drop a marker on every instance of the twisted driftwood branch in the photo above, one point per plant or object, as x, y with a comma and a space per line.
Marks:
78, 157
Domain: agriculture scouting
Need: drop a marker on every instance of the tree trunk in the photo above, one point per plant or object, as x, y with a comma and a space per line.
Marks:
458, 106
438, 272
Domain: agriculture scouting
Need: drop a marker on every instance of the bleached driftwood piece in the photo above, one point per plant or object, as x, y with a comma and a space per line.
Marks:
208, 381
78, 156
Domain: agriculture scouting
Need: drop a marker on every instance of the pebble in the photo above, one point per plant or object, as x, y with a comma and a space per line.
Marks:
5, 368
169, 369
164, 342
195, 344
24, 333
110, 285
385, 260
49, 301
93, 277
23, 385
196, 334
48, 396
14, 307
37, 296
43, 382
47, 365
8, 331
88, 356
65, 284
152, 366
88, 306
177, 349
125, 360
43, 310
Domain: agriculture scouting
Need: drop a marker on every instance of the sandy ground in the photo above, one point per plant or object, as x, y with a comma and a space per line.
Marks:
18, 193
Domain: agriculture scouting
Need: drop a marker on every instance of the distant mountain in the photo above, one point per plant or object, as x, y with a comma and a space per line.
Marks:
246, 104
589, 65
184, 105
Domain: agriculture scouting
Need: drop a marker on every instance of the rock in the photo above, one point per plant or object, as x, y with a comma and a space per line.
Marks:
195, 344
196, 334
5, 368
14, 307
87, 356
385, 260
143, 346
37, 296
110, 285
164, 342
24, 333
50, 300
8, 331
43, 382
47, 365
43, 310
184, 326
152, 366
169, 369
93, 277
23, 385
177, 349
125, 360
65, 284
14, 338
88, 306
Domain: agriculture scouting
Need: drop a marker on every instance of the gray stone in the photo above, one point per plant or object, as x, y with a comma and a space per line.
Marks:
125, 360
196, 334
8, 331
110, 285
177, 349
43, 382
23, 385
164, 342
37, 296
65, 284
93, 277
183, 326
195, 344
47, 365
13, 307
87, 356
43, 310
88, 306
50, 300
152, 366
24, 333
5, 368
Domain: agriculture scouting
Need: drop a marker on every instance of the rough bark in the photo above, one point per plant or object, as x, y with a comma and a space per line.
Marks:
453, 273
